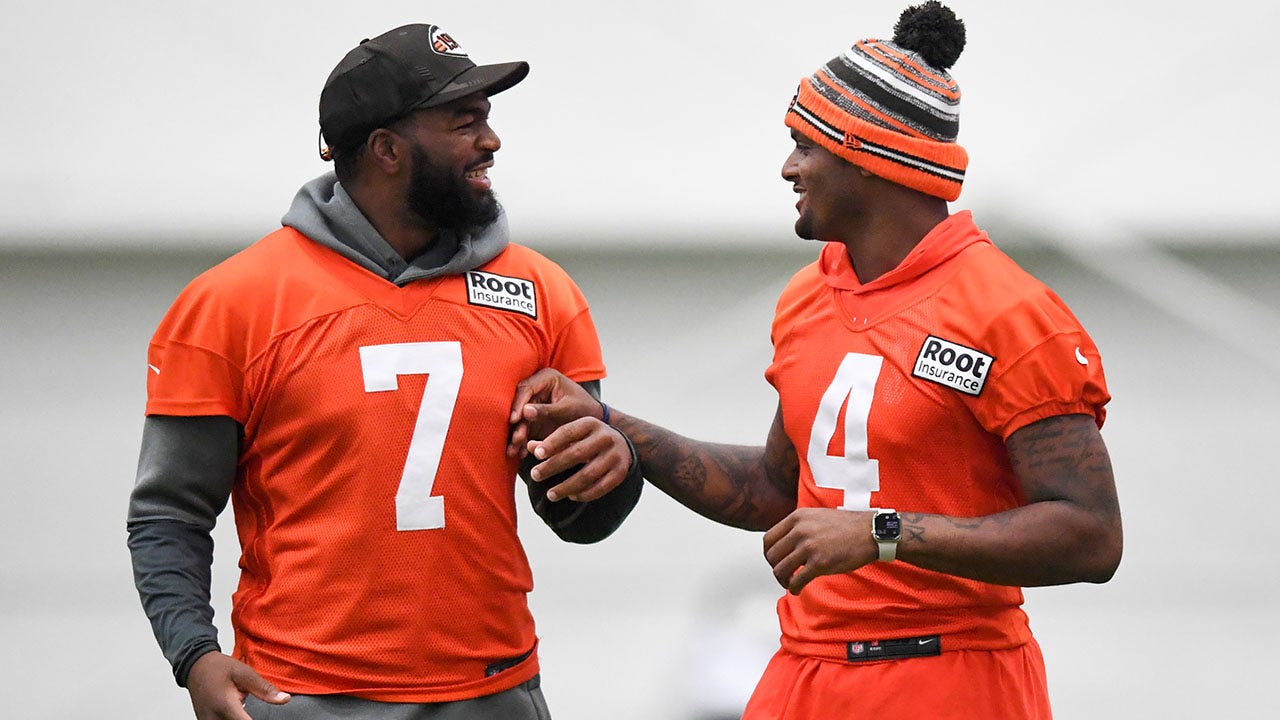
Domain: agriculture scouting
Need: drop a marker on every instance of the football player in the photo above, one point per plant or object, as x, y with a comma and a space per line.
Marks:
937, 440
345, 381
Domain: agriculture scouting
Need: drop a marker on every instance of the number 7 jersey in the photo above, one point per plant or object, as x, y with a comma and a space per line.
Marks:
374, 500
900, 394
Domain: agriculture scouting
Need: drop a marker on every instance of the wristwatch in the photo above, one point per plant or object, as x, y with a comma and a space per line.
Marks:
886, 530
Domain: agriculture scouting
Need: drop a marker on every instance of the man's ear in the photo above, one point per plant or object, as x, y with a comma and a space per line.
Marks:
387, 151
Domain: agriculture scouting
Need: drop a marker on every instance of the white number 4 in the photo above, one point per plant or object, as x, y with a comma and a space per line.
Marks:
854, 472
416, 509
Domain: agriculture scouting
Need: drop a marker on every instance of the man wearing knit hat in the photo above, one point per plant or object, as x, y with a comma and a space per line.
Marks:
344, 382
936, 444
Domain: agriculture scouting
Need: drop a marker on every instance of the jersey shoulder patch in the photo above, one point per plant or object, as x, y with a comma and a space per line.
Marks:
953, 365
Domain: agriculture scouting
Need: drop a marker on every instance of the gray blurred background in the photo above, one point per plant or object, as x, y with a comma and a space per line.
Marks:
1122, 154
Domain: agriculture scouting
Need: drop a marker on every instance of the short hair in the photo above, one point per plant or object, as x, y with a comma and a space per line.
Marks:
346, 159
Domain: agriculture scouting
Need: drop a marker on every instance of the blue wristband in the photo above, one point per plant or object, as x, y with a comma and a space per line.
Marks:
605, 416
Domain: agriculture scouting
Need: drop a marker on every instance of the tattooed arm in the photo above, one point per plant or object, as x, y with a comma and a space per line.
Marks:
1069, 530
746, 487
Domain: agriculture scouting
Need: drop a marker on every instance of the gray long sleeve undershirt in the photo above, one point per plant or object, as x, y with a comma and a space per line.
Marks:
185, 471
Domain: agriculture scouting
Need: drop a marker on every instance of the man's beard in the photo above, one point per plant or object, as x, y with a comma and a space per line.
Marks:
446, 202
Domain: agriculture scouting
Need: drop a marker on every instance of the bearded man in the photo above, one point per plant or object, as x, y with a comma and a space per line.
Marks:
345, 382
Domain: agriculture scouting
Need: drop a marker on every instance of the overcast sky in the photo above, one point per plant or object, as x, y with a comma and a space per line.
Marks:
174, 123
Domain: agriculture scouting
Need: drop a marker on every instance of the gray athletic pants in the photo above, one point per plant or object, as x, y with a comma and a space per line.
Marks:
522, 702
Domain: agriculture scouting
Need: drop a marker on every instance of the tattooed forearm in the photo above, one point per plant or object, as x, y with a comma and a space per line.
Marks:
913, 527
731, 484
913, 524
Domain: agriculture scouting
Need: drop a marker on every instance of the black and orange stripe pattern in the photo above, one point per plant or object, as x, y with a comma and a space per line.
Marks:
885, 109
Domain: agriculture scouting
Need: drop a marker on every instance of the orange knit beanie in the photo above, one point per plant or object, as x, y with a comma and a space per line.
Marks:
890, 107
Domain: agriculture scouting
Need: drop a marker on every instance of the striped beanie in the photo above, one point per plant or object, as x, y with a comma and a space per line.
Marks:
890, 107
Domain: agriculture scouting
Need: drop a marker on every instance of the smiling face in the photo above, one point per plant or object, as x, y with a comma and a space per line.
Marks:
452, 151
829, 189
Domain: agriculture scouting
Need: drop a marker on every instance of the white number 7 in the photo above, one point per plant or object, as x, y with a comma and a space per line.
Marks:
416, 509
854, 472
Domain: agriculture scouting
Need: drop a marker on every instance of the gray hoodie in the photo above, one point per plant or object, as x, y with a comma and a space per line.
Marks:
323, 211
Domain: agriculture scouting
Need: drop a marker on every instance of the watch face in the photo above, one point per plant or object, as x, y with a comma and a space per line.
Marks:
888, 526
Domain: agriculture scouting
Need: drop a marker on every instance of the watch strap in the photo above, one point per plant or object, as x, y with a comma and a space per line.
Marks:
888, 551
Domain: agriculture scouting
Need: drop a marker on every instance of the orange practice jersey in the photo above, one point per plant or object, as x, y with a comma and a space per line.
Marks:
374, 500
900, 394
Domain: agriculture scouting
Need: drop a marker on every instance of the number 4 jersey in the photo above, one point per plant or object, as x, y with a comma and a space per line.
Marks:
374, 500
900, 393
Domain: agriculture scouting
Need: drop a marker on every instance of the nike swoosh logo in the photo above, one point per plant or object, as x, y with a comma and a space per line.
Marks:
1081, 358
926, 641
154, 369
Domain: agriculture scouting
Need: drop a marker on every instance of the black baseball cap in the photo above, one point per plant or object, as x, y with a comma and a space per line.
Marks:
411, 67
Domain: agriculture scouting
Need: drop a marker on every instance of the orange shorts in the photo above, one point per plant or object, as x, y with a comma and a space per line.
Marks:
961, 684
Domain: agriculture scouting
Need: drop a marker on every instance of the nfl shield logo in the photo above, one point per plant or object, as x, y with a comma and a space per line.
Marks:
855, 648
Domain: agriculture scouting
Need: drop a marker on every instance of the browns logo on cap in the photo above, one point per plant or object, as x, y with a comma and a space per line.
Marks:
385, 78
